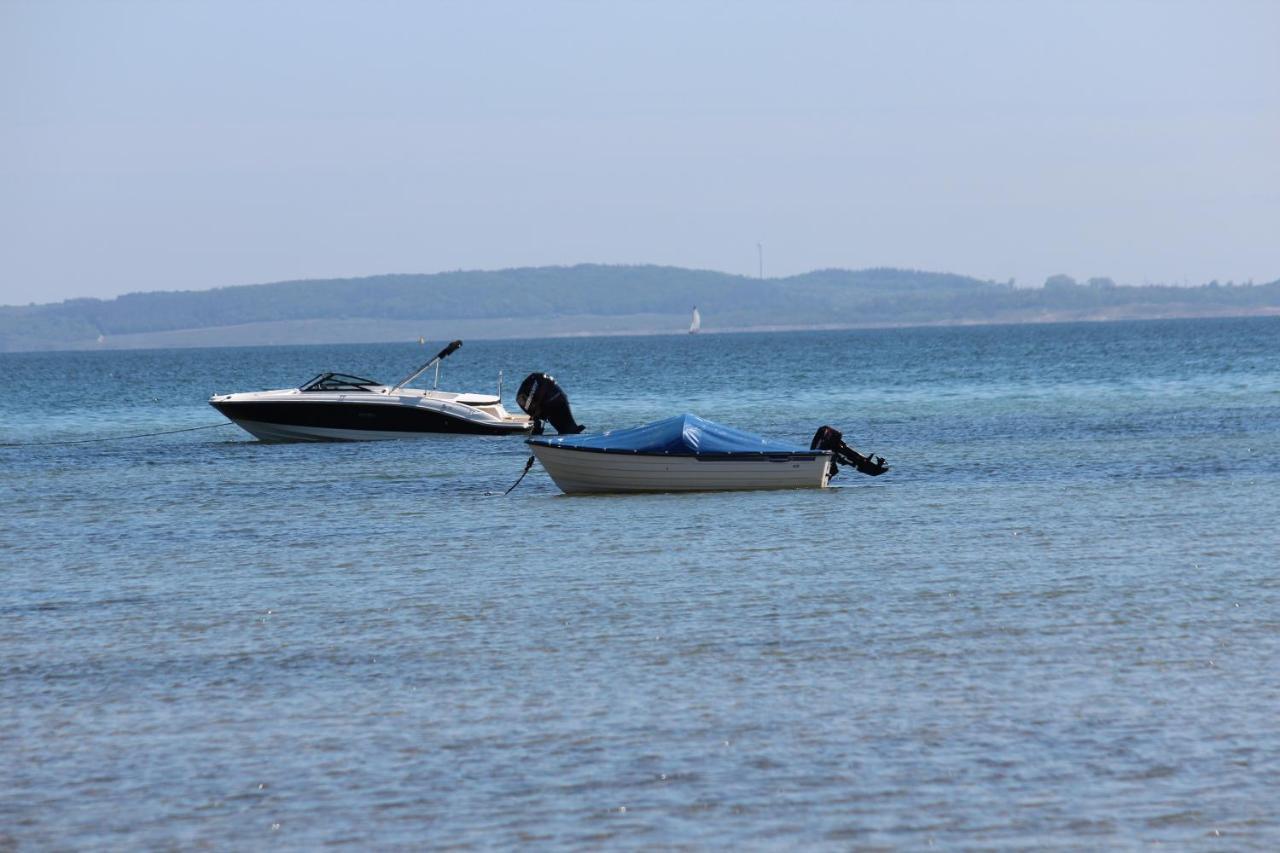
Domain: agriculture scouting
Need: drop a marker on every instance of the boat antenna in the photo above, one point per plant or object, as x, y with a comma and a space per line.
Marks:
440, 356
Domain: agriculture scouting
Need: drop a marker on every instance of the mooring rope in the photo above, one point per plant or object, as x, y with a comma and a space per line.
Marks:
111, 437
527, 466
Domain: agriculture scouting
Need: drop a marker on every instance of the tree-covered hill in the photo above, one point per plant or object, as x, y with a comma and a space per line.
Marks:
539, 294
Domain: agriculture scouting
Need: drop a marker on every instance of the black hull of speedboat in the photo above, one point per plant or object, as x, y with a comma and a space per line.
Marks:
320, 421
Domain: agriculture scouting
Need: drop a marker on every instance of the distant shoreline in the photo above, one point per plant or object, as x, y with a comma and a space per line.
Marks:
594, 300
322, 333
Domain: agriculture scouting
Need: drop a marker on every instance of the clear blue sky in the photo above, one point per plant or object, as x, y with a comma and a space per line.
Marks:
186, 145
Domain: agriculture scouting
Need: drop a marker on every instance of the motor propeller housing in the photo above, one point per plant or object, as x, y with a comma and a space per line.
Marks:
830, 438
543, 400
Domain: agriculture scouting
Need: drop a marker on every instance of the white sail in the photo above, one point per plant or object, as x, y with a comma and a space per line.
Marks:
697, 322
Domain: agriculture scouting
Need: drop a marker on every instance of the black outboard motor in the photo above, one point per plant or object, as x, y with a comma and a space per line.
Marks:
542, 399
830, 438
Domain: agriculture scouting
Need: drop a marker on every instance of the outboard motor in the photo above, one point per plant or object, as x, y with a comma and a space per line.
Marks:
542, 399
830, 438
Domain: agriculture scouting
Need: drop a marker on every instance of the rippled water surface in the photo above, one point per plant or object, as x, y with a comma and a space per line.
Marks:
1055, 621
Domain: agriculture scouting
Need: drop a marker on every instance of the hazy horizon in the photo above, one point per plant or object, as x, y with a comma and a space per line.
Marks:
153, 146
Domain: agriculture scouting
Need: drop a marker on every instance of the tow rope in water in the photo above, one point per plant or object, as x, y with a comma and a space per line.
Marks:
527, 466
112, 437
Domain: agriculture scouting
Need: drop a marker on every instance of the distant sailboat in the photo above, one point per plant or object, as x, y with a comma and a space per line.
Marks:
696, 325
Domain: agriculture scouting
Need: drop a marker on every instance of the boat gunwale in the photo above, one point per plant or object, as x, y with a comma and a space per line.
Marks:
706, 455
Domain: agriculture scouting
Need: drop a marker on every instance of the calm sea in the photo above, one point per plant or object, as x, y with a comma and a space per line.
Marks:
1056, 621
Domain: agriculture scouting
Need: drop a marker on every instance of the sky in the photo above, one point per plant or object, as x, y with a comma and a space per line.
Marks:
188, 145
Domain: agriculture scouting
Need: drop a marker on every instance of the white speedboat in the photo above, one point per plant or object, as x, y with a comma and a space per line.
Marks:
341, 407
686, 453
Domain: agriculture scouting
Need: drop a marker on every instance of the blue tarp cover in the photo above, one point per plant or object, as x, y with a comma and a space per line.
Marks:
682, 434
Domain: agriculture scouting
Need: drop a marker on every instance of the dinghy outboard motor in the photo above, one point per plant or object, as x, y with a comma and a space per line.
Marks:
543, 400
830, 438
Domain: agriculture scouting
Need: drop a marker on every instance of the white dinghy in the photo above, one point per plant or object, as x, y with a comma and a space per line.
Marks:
686, 453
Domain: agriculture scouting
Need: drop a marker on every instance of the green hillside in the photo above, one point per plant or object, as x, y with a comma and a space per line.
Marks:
823, 297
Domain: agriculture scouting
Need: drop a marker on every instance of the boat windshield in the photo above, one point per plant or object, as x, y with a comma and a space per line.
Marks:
339, 382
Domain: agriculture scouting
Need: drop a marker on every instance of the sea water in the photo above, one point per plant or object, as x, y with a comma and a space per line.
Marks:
1055, 621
